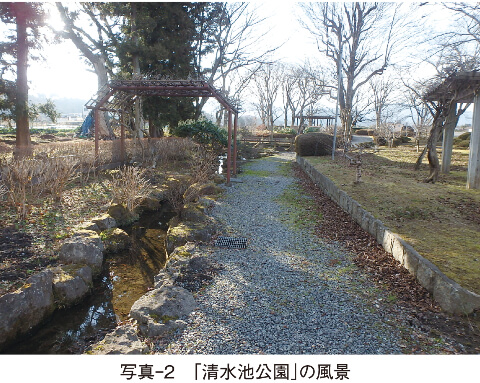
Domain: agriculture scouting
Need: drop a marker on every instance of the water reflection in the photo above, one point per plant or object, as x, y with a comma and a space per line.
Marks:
125, 277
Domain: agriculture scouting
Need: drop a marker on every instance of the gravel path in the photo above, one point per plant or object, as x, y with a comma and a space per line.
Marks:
287, 293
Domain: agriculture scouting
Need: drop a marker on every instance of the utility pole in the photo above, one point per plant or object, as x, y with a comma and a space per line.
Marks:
339, 89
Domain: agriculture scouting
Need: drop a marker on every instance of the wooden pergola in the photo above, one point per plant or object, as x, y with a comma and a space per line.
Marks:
313, 120
462, 87
118, 96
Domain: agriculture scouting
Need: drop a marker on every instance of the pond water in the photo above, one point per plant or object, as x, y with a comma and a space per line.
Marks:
126, 277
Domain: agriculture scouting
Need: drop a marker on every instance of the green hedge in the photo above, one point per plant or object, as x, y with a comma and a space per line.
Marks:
203, 132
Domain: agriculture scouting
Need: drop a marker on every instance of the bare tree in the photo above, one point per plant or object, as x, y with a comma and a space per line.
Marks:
303, 88
97, 49
227, 49
268, 81
467, 24
419, 113
367, 33
443, 106
382, 92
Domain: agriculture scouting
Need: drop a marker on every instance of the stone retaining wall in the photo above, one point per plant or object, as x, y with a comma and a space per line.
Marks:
452, 297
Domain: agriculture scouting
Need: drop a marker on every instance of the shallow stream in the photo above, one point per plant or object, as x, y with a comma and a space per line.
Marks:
126, 277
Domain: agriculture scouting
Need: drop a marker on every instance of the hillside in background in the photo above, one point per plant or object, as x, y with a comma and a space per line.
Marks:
64, 105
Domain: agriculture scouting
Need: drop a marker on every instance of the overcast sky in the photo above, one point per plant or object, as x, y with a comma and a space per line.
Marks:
64, 73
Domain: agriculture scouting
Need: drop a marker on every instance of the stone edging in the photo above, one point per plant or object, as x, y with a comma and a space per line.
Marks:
452, 297
166, 297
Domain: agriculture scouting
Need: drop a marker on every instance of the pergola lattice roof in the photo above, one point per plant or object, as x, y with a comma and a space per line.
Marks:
460, 85
118, 95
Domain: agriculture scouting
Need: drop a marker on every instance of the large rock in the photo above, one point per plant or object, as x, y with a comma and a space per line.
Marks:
85, 247
150, 204
27, 307
89, 226
71, 283
198, 190
115, 240
121, 215
193, 212
189, 231
159, 311
105, 221
123, 340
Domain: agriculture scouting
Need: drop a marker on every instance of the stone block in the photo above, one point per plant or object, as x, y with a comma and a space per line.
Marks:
410, 258
71, 284
366, 219
155, 310
446, 294
426, 273
85, 248
387, 241
91, 226
373, 227
380, 232
105, 222
342, 196
121, 216
122, 341
26, 307
115, 240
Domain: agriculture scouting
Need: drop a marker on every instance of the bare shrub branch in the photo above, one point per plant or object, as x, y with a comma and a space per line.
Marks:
130, 187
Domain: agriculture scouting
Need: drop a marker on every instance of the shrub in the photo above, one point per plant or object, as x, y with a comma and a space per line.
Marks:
204, 132
17, 176
312, 129
405, 139
313, 144
380, 141
130, 187
55, 173
285, 130
463, 144
203, 164
464, 136
396, 142
175, 193
361, 132
463, 140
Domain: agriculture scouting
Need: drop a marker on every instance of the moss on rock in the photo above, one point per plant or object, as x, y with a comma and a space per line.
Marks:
115, 240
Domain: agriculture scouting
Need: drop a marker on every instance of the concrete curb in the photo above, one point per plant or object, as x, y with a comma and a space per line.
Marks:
452, 297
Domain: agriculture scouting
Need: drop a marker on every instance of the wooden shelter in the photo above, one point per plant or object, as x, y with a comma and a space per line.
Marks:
314, 120
118, 96
461, 87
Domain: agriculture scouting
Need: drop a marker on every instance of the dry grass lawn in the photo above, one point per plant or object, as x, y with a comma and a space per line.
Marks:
442, 220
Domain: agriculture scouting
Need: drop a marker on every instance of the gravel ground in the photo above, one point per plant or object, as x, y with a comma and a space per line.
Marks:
287, 293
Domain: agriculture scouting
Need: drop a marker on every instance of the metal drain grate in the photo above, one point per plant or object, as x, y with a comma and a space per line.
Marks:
231, 243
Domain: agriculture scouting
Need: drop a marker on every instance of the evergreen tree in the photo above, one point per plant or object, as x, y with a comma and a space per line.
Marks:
27, 17
161, 38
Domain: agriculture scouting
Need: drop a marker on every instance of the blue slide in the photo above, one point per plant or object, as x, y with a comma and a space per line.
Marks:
86, 128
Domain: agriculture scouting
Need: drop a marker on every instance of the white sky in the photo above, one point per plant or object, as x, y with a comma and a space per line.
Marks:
64, 74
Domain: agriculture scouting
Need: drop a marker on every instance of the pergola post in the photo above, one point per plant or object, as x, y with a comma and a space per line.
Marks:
235, 125
229, 146
473, 176
448, 135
